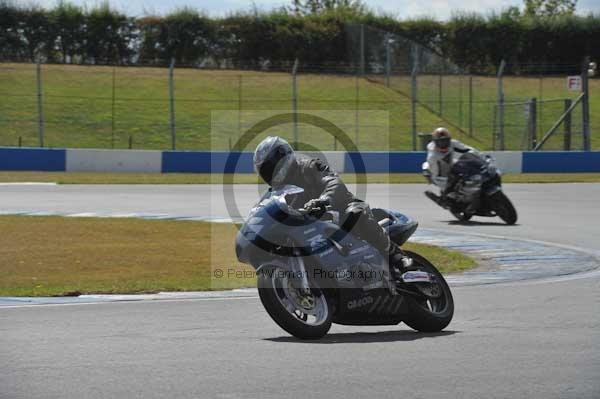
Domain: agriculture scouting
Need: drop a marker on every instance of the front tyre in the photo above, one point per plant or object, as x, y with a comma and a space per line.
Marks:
434, 312
461, 216
503, 207
305, 315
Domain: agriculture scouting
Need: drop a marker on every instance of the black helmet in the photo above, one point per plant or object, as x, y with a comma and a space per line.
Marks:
273, 158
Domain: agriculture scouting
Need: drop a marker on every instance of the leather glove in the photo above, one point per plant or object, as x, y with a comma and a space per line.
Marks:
316, 207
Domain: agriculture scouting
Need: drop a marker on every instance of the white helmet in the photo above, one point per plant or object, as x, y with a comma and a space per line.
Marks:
273, 158
442, 139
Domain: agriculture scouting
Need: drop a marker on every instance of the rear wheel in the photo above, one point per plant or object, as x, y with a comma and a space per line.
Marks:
503, 207
305, 314
434, 311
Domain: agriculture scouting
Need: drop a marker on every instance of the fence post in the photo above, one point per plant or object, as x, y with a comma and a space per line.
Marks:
541, 107
388, 60
362, 49
356, 109
494, 125
470, 106
558, 123
239, 122
413, 95
567, 126
500, 101
440, 94
585, 104
172, 104
40, 107
112, 111
295, 103
532, 123
460, 99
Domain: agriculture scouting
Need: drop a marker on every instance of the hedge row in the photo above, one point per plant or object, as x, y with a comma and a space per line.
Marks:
102, 35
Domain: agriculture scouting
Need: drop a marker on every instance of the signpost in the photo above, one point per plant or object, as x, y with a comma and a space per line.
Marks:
574, 83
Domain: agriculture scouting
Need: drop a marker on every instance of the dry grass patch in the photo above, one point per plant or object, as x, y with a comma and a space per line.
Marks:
42, 256
60, 256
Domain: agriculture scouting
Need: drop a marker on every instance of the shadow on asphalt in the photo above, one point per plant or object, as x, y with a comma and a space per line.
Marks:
365, 337
475, 223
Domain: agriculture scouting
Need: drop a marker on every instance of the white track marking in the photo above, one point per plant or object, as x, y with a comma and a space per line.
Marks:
25, 183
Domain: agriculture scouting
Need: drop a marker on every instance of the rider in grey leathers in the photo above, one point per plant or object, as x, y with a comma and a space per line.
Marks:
278, 165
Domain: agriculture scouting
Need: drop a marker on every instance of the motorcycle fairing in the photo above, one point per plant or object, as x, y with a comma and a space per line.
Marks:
375, 307
273, 233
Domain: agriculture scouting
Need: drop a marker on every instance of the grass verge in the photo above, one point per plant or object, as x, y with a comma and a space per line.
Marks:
199, 178
104, 107
45, 256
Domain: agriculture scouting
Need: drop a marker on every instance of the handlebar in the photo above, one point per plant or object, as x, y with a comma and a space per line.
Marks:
329, 214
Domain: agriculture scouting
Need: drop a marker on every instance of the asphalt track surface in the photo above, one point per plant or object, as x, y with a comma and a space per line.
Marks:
535, 340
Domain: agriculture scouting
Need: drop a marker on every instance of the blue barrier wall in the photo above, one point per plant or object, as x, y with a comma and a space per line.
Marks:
41, 159
561, 162
384, 162
34, 159
206, 162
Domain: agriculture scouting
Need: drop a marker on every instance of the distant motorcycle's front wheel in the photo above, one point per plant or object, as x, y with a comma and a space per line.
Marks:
306, 314
503, 207
461, 215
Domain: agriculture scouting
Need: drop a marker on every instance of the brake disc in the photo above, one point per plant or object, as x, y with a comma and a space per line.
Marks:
430, 290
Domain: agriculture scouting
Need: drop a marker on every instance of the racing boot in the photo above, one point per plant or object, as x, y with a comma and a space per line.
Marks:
435, 198
441, 200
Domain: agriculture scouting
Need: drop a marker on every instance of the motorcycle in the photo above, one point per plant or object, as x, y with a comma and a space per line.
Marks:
477, 190
312, 273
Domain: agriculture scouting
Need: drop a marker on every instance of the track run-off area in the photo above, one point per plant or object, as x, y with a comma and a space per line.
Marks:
538, 337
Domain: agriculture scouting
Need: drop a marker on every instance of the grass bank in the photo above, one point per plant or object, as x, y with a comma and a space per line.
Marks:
44, 256
115, 107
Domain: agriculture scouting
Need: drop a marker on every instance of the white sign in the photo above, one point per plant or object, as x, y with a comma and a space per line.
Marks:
574, 83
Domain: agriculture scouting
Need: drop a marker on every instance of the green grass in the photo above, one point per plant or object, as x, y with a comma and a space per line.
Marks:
550, 93
79, 109
190, 178
43, 256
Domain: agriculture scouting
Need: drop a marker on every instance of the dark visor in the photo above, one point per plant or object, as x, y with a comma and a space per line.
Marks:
443, 142
267, 168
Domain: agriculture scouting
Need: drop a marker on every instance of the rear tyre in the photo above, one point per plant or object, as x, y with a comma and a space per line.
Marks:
435, 313
503, 207
305, 315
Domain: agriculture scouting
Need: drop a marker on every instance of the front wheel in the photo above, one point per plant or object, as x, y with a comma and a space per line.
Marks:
461, 216
303, 314
503, 207
434, 311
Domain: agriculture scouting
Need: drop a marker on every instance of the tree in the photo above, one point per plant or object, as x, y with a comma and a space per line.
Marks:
11, 46
187, 35
109, 36
68, 21
549, 8
308, 7
36, 31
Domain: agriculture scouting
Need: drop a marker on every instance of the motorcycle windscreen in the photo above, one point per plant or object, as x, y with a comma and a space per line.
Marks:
468, 165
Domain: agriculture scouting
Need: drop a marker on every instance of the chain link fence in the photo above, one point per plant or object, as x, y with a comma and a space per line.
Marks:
492, 112
170, 107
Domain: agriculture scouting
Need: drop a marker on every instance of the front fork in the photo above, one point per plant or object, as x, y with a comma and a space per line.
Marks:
299, 271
